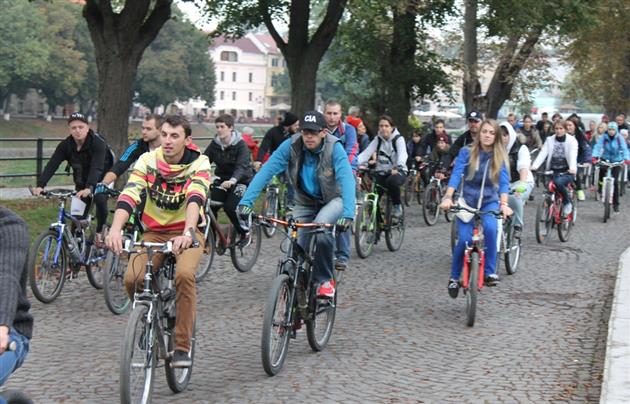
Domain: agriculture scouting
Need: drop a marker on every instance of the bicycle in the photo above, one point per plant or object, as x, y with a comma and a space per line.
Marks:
150, 332
433, 196
372, 218
243, 256
608, 185
472, 276
549, 211
59, 252
293, 299
275, 203
413, 184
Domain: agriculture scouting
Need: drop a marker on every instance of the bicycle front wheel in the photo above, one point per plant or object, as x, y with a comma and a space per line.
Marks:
244, 257
471, 295
178, 378
47, 275
270, 209
207, 257
564, 228
138, 357
512, 253
395, 232
607, 197
430, 209
276, 330
544, 220
365, 233
116, 298
96, 270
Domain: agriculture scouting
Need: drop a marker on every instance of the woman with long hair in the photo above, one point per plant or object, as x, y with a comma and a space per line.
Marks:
482, 171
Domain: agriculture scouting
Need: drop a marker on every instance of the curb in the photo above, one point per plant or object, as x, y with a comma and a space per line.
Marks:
616, 380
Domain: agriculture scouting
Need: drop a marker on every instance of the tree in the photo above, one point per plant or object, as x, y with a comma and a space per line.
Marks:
120, 32
305, 46
176, 66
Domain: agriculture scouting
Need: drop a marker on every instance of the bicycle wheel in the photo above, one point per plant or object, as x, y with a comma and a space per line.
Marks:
564, 228
45, 275
395, 231
471, 295
319, 327
365, 232
96, 271
138, 357
207, 257
454, 235
270, 209
544, 220
245, 257
276, 331
606, 197
178, 378
430, 209
408, 190
418, 190
512, 253
116, 298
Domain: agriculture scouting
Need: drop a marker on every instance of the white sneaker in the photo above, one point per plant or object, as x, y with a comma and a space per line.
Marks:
568, 208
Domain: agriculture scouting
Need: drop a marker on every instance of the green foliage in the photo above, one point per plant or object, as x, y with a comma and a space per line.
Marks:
176, 66
281, 83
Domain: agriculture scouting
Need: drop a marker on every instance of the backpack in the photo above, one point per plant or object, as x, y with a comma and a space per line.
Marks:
380, 140
110, 157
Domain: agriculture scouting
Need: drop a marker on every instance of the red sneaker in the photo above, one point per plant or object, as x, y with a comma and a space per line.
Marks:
327, 289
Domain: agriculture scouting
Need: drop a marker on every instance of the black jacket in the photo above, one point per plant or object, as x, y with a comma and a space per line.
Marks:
463, 140
88, 164
428, 143
231, 161
272, 140
131, 155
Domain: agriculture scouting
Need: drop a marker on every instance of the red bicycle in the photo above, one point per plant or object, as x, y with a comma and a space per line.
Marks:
549, 212
472, 276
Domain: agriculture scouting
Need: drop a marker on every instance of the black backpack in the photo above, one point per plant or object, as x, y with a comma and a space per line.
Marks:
110, 157
378, 146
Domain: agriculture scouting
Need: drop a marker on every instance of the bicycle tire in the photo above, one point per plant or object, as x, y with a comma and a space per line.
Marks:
419, 191
241, 263
116, 298
178, 378
606, 198
280, 298
544, 220
365, 232
408, 190
137, 327
430, 209
454, 235
471, 295
564, 228
58, 271
270, 209
512, 255
207, 257
96, 273
395, 232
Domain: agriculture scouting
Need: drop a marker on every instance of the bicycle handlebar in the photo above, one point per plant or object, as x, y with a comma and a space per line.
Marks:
264, 220
457, 208
55, 193
606, 163
164, 248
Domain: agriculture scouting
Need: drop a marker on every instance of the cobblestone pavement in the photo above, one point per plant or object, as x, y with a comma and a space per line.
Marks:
539, 337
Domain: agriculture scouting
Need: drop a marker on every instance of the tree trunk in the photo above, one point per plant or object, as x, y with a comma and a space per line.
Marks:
471, 87
303, 78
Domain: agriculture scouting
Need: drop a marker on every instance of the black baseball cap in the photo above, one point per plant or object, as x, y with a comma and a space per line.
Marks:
313, 120
474, 115
77, 116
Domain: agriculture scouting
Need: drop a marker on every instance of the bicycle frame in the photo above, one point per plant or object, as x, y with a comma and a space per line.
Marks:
609, 180
477, 245
64, 235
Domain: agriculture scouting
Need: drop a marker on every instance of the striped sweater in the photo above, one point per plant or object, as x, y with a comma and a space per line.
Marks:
170, 188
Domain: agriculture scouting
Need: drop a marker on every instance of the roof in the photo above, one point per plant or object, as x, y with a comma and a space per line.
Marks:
245, 44
268, 42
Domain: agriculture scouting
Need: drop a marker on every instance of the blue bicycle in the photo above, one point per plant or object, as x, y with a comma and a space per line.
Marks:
59, 252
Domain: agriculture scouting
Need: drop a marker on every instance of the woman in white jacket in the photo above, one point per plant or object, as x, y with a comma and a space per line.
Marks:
391, 160
560, 156
521, 177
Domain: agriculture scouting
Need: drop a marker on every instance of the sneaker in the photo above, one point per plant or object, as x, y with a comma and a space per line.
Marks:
568, 208
98, 241
326, 289
616, 208
341, 266
397, 211
245, 240
580, 195
531, 197
181, 360
453, 288
491, 280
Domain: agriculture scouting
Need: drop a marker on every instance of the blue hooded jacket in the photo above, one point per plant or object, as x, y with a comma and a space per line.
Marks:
615, 149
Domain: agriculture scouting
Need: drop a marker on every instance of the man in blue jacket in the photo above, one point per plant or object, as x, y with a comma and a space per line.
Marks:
348, 136
318, 169
611, 147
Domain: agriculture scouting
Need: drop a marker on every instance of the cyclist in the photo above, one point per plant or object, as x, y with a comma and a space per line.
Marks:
560, 155
482, 170
362, 137
88, 155
611, 147
175, 177
584, 152
428, 142
348, 136
528, 134
229, 152
319, 170
391, 160
150, 141
466, 138
413, 149
441, 155
275, 136
16, 324
522, 179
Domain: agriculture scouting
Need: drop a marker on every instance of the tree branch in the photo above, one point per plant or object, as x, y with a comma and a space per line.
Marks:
263, 7
298, 24
328, 28
149, 30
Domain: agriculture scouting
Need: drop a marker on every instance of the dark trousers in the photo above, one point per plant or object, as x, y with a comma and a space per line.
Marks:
562, 181
230, 199
392, 183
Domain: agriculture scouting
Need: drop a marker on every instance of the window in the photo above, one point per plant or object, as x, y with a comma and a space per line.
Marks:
227, 56
251, 77
233, 95
251, 95
250, 113
222, 95
222, 76
274, 62
233, 76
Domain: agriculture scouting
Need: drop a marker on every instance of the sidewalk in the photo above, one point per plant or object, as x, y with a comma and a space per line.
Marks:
616, 383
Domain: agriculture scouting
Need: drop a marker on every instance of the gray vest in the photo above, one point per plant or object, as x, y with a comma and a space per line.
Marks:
325, 171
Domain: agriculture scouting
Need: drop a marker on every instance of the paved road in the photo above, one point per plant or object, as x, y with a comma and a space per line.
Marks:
539, 337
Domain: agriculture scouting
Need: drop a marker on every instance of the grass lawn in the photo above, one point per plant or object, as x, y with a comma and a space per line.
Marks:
38, 213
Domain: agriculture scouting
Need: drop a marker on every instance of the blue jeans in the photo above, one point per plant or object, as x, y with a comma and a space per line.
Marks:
342, 253
516, 203
329, 213
465, 231
561, 181
10, 361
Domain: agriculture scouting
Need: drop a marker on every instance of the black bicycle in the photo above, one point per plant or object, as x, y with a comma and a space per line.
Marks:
150, 332
293, 299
